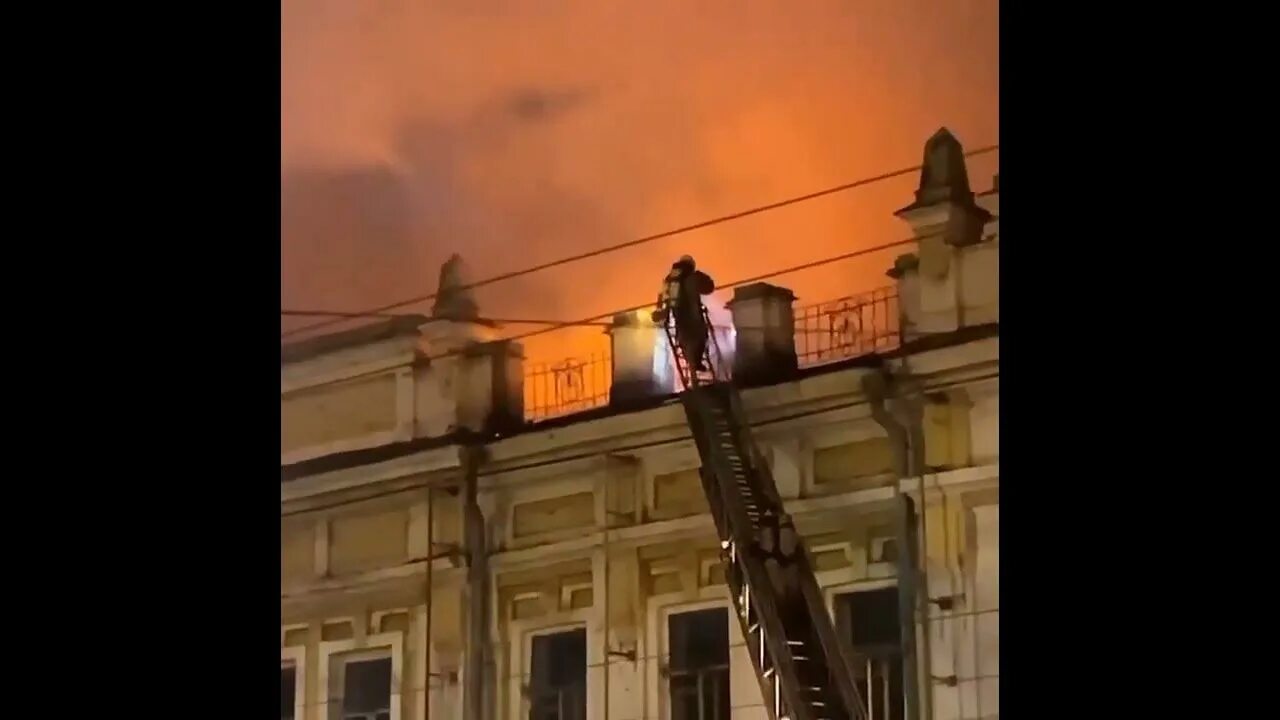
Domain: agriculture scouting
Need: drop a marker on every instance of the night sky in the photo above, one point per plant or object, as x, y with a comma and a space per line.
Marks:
524, 131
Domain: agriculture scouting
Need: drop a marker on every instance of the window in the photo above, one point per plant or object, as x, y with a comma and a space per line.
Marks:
698, 674
869, 622
293, 675
366, 689
558, 676
288, 692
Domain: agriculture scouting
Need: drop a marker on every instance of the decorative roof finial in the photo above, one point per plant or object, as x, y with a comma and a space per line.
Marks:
454, 300
943, 177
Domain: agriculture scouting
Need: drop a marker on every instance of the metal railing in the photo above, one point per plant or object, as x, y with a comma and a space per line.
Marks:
879, 679
699, 694
568, 386
824, 332
568, 702
847, 327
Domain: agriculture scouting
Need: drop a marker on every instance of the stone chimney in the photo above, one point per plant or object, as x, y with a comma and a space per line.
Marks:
952, 280
763, 319
634, 343
479, 378
490, 387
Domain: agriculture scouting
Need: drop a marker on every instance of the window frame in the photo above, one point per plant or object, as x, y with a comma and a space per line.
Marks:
664, 645
296, 658
833, 592
659, 608
520, 701
372, 647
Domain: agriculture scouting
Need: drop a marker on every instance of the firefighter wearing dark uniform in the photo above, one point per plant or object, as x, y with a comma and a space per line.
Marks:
681, 298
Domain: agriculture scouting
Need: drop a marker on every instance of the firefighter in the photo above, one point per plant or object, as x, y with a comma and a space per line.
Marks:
681, 298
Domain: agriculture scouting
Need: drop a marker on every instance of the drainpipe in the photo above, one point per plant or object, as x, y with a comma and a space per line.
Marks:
876, 386
606, 595
431, 599
908, 458
473, 704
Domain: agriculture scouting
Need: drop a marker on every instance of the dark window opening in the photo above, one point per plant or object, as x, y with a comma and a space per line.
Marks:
869, 622
288, 692
887, 551
698, 673
366, 690
558, 676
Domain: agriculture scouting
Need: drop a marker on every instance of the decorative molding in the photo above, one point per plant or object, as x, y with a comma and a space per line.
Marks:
692, 526
427, 462
580, 445
375, 619
294, 378
567, 589
362, 442
322, 548
540, 499
285, 629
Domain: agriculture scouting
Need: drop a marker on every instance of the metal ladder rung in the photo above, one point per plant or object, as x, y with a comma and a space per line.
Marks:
734, 470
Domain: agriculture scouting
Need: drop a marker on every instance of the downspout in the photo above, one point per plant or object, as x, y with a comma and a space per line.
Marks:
907, 458
604, 602
876, 386
911, 394
431, 597
473, 704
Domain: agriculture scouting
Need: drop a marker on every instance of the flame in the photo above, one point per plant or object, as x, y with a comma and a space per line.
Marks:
725, 338
725, 334
411, 130
664, 368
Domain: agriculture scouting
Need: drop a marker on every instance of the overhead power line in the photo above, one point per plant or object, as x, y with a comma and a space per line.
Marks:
533, 322
500, 321
602, 320
343, 315
632, 243
736, 283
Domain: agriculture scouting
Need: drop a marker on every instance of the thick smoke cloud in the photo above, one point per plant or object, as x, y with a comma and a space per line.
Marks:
518, 132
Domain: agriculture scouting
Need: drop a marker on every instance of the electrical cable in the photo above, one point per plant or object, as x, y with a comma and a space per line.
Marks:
727, 286
642, 240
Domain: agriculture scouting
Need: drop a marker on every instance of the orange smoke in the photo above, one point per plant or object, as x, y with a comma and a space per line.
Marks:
530, 131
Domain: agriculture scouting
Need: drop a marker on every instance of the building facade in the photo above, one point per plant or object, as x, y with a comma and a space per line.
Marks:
453, 548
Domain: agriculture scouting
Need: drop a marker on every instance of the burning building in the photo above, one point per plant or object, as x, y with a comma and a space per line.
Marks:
448, 551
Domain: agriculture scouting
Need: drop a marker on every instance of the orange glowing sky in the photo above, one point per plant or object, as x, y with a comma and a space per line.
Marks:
519, 132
